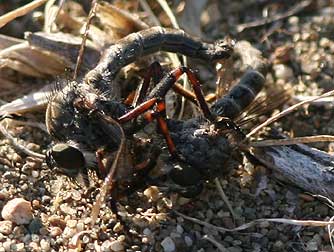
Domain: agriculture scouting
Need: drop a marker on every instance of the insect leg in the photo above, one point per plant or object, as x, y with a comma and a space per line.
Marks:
154, 71
160, 110
168, 82
140, 109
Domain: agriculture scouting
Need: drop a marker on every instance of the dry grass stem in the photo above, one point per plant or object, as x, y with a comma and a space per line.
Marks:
91, 15
310, 223
108, 181
6, 18
286, 112
295, 140
224, 198
219, 246
294, 10
18, 146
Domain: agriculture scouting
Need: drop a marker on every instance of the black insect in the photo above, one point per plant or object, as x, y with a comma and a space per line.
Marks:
87, 121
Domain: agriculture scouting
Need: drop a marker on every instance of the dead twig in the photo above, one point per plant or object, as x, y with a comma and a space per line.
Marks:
310, 223
91, 15
6, 18
295, 140
224, 198
216, 243
292, 11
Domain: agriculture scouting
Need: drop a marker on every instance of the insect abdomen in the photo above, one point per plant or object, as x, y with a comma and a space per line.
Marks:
240, 96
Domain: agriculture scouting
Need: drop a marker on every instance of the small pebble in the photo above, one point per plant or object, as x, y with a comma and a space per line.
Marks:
147, 231
3, 194
36, 204
152, 193
45, 245
72, 223
33, 246
69, 232
116, 246
57, 221
35, 225
6, 245
168, 245
145, 240
80, 226
189, 242
118, 227
18, 247
105, 247
6, 227
35, 174
66, 209
283, 72
55, 231
17, 210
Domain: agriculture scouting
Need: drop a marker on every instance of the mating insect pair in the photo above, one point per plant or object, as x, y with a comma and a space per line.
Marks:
88, 120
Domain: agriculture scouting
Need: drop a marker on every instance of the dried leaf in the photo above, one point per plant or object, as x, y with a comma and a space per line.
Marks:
7, 41
34, 101
35, 59
64, 46
4, 19
117, 21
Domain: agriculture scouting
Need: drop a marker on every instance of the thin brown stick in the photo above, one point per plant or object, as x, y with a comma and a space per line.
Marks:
109, 180
311, 223
295, 140
6, 18
91, 15
286, 112
292, 11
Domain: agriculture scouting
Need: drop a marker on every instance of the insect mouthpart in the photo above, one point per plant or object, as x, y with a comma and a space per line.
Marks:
66, 159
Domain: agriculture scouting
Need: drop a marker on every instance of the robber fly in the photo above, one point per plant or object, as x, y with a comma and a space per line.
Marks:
71, 117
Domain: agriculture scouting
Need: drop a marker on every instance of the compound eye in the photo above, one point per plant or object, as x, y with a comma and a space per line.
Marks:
67, 158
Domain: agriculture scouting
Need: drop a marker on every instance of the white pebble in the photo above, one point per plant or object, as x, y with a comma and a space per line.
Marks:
168, 245
118, 227
69, 232
179, 229
45, 245
147, 231
6, 245
189, 242
116, 246
19, 247
72, 223
105, 246
35, 174
152, 193
6, 227
283, 72
18, 211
